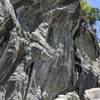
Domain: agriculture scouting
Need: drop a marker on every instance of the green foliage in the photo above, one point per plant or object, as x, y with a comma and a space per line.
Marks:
98, 13
89, 13
85, 6
94, 15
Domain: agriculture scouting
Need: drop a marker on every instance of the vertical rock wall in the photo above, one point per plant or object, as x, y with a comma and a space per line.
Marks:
43, 50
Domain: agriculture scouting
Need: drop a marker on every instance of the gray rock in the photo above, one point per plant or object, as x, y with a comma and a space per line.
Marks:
44, 52
68, 96
92, 94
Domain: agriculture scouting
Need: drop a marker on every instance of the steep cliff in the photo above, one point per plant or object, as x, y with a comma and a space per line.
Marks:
45, 51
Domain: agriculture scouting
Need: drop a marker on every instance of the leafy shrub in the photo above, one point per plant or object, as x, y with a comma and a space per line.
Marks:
92, 14
85, 7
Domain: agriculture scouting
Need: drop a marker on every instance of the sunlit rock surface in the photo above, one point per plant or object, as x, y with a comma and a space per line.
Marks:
68, 96
44, 50
92, 94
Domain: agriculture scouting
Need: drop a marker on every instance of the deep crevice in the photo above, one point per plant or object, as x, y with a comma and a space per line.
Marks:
78, 66
29, 73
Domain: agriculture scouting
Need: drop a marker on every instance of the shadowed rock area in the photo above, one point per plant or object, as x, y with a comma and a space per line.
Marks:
45, 51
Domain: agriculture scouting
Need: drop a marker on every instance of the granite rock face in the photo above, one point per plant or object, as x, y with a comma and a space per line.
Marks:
44, 50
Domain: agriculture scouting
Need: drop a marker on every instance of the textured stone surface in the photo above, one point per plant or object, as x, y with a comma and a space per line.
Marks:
92, 94
44, 51
68, 96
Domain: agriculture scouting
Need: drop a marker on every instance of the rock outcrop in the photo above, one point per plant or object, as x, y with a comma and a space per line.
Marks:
92, 94
68, 96
44, 50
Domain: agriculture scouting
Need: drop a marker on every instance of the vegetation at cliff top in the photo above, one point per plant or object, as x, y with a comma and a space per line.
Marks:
92, 14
